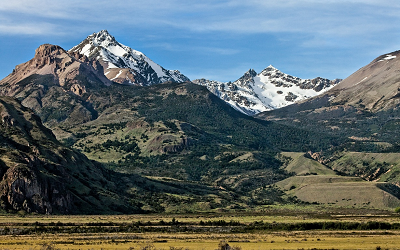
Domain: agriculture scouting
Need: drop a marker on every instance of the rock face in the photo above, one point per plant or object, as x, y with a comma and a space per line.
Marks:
122, 64
24, 142
271, 89
22, 188
38, 174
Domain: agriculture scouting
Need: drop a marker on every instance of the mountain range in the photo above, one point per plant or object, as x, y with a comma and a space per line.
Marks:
122, 131
271, 89
251, 94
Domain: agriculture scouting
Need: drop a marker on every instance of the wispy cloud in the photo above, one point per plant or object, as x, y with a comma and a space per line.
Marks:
187, 48
25, 28
344, 18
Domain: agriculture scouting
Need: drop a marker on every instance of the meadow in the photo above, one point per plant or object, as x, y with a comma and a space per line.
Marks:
272, 228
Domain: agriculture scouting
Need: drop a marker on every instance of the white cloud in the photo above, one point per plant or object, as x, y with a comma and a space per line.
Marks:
27, 29
189, 48
10, 26
314, 24
339, 17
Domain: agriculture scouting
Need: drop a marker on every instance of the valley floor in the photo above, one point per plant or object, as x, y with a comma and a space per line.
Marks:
273, 229
149, 241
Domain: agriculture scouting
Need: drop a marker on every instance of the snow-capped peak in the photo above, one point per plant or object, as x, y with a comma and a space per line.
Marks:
254, 93
103, 38
123, 64
270, 67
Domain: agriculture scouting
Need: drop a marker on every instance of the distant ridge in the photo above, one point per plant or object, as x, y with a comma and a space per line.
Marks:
271, 89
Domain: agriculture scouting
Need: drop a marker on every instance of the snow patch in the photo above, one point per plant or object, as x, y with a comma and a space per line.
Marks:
362, 80
86, 50
119, 73
157, 68
388, 57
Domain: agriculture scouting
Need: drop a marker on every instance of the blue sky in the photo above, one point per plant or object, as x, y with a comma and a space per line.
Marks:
213, 39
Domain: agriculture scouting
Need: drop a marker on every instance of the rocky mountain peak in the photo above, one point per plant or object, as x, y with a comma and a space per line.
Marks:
55, 61
55, 79
48, 50
103, 35
123, 64
253, 93
251, 72
247, 78
270, 68
101, 40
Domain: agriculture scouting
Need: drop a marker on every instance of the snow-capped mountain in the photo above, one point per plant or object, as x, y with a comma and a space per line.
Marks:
122, 64
271, 89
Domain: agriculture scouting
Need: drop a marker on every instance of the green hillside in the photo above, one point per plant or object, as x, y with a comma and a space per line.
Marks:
182, 131
40, 175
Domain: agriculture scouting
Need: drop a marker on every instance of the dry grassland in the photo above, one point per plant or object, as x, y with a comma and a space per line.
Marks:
281, 240
258, 239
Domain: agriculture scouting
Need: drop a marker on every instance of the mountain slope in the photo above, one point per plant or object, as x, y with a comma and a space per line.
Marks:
363, 110
176, 123
271, 89
374, 87
123, 64
39, 174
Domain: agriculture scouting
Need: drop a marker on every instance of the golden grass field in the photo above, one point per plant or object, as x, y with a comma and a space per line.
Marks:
281, 240
308, 239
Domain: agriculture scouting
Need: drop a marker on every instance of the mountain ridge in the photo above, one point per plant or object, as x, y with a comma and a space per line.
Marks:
270, 89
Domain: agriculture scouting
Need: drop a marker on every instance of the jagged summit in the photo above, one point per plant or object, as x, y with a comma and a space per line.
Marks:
104, 35
254, 93
270, 67
123, 64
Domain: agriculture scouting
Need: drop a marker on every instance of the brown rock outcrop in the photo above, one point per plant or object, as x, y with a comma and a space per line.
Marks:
55, 84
